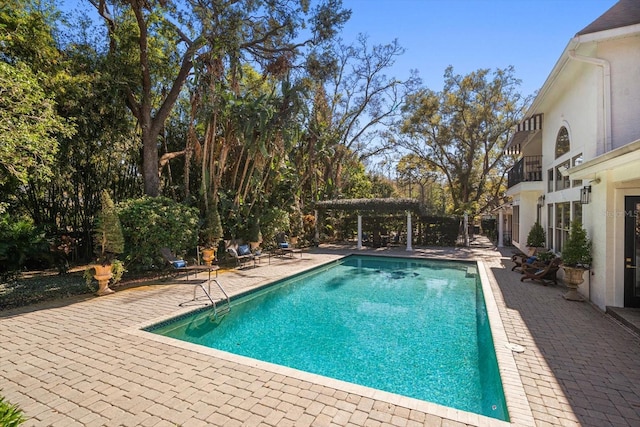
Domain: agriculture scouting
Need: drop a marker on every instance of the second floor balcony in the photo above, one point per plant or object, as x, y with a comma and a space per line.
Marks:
527, 169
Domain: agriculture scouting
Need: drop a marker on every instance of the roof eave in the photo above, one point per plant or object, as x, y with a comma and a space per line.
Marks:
612, 34
606, 161
551, 78
573, 45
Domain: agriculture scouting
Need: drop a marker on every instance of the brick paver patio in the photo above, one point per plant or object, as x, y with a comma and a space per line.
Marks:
83, 362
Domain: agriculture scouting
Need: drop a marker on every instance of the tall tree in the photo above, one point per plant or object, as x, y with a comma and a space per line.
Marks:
420, 180
462, 130
156, 32
356, 103
219, 34
30, 124
58, 83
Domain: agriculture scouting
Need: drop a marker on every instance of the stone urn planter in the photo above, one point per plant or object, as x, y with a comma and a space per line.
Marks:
108, 242
208, 255
102, 274
576, 258
573, 278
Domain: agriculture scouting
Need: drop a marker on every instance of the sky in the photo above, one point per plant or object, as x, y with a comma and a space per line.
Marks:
473, 34
467, 34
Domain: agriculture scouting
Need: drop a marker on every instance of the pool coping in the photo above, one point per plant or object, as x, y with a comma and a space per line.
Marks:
518, 406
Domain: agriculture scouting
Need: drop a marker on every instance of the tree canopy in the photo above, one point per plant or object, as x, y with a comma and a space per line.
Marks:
29, 126
248, 112
462, 130
157, 43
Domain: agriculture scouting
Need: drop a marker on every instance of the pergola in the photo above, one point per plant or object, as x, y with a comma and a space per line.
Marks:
379, 205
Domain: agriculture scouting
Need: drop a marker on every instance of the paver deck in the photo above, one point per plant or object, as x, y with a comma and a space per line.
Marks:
80, 362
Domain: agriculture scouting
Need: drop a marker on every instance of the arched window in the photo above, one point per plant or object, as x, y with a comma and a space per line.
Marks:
562, 142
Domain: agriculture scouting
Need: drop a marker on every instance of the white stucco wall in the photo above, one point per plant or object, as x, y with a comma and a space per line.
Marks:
624, 58
575, 99
575, 108
528, 214
598, 221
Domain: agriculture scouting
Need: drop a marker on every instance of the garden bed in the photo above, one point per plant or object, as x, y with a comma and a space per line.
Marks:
38, 286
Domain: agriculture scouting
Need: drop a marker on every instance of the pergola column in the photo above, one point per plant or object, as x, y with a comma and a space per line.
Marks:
466, 229
316, 234
409, 228
500, 228
359, 231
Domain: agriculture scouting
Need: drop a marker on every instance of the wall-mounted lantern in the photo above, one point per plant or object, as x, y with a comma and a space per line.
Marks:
585, 195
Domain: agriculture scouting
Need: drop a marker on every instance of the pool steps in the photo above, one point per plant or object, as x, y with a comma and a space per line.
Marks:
224, 306
222, 309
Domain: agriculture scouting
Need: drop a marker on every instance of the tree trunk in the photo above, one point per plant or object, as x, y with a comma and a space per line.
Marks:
150, 164
140, 104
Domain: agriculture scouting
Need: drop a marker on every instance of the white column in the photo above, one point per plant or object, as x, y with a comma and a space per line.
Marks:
500, 228
359, 231
316, 235
466, 229
409, 237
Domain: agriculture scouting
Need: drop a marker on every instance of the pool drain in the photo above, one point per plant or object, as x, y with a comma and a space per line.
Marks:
515, 347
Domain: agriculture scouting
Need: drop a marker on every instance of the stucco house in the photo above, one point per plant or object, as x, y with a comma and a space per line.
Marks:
579, 155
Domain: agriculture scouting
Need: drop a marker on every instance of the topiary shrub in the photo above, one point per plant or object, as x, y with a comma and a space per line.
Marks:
536, 237
211, 232
107, 234
576, 251
151, 223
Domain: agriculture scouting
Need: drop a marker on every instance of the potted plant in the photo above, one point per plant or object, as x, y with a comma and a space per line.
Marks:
576, 258
108, 243
211, 233
546, 256
536, 237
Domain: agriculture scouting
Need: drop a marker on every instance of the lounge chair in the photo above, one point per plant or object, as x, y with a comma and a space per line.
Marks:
545, 273
242, 255
520, 258
283, 247
182, 265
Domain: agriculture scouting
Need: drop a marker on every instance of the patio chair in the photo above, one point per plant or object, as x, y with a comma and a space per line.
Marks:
284, 247
242, 255
545, 273
521, 258
182, 265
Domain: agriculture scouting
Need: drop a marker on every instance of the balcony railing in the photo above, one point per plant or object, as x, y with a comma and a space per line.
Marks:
527, 169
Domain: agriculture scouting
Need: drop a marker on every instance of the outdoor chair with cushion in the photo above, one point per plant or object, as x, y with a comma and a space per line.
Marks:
182, 265
545, 273
283, 247
521, 258
242, 255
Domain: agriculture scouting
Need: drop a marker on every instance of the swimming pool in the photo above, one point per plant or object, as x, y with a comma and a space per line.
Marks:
413, 327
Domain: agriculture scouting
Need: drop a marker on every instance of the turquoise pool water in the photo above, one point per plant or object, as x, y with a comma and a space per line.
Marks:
413, 327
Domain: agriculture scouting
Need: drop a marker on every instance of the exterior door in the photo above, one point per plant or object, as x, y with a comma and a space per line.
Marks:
632, 252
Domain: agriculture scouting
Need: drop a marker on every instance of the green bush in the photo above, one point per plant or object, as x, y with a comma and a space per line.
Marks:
22, 244
440, 230
273, 221
151, 223
10, 415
